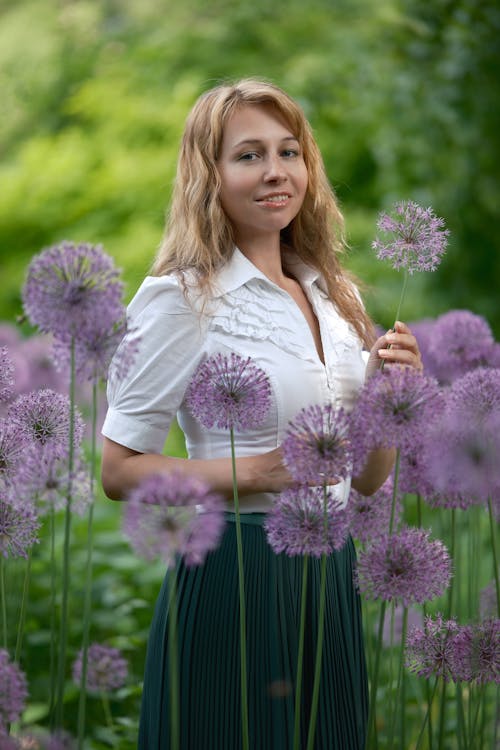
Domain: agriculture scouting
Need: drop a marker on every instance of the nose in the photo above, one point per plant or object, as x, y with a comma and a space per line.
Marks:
275, 171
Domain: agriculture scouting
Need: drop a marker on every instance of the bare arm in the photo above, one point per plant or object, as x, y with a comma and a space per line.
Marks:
403, 351
123, 468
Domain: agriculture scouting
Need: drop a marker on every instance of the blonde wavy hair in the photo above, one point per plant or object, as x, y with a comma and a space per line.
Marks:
199, 235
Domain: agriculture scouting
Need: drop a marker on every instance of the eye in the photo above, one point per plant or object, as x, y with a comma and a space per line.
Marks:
248, 156
289, 153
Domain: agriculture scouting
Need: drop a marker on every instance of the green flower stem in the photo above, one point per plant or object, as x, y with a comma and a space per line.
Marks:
321, 631
479, 705
403, 292
173, 656
442, 716
300, 657
22, 612
495, 553
395, 490
319, 654
63, 633
52, 689
241, 581
3, 598
87, 605
106, 708
452, 555
372, 739
461, 733
400, 689
400, 305
427, 715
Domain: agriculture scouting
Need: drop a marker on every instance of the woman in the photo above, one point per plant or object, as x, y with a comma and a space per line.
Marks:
249, 264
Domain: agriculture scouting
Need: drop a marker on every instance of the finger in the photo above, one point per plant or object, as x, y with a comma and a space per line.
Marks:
401, 357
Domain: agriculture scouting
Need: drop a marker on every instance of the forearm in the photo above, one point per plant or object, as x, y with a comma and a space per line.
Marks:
123, 469
375, 471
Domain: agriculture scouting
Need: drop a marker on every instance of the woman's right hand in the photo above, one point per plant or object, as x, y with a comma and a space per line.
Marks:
265, 472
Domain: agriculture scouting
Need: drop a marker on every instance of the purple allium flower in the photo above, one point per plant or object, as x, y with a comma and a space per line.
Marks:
44, 417
230, 392
485, 651
6, 373
461, 455
422, 330
369, 515
460, 342
477, 393
406, 566
316, 445
46, 483
106, 668
35, 368
13, 444
18, 525
173, 514
412, 237
13, 690
299, 524
441, 648
71, 286
488, 606
97, 348
7, 742
393, 406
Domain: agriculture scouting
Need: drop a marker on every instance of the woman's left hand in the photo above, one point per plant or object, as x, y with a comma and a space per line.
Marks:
398, 347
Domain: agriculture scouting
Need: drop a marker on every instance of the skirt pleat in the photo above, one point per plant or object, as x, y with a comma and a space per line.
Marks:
209, 651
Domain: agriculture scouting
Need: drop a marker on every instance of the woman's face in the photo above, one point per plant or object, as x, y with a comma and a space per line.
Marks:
263, 173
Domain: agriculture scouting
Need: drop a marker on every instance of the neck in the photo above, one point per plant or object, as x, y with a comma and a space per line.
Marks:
266, 256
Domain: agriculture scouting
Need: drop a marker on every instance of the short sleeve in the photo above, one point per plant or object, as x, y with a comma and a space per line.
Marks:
142, 405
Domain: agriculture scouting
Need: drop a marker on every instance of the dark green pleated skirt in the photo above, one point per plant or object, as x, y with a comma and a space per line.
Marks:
209, 655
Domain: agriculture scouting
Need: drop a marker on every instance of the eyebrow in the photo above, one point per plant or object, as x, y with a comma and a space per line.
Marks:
253, 141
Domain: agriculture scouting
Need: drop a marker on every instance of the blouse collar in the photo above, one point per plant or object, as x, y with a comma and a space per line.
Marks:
239, 270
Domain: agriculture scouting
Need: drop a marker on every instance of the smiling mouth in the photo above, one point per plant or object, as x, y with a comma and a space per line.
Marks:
275, 199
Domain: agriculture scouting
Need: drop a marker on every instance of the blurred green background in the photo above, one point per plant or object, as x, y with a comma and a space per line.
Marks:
402, 95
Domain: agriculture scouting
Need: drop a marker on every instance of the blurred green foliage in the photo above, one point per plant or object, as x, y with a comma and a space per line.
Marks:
402, 95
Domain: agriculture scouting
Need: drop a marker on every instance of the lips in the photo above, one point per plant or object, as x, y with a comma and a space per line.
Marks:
274, 198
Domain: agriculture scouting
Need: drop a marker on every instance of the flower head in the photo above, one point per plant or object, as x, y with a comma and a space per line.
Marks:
440, 648
46, 483
460, 342
406, 566
13, 690
230, 392
7, 742
18, 525
477, 393
485, 651
98, 347
107, 669
412, 237
316, 445
44, 418
70, 287
461, 455
369, 516
6, 372
173, 514
393, 406
303, 521
13, 443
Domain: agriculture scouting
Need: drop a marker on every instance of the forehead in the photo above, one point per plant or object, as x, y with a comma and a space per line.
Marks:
255, 122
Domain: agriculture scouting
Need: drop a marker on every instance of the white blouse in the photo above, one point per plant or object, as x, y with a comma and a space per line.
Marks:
247, 314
